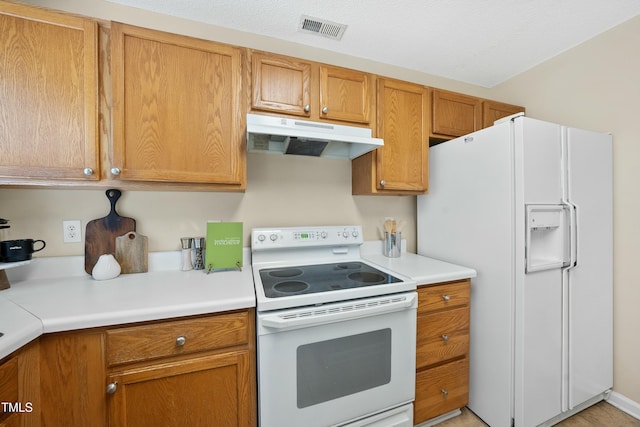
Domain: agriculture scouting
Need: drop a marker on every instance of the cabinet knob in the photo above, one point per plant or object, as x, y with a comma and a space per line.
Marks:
325, 109
180, 341
115, 171
382, 182
88, 171
111, 388
307, 108
444, 392
446, 298
445, 338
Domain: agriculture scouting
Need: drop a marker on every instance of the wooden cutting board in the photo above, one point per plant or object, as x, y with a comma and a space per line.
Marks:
100, 234
132, 253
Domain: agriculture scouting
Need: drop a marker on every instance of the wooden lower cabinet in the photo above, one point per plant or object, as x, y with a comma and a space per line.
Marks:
72, 375
19, 395
214, 390
194, 371
190, 372
441, 389
442, 349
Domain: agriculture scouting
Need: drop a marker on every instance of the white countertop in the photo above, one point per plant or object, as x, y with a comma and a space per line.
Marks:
422, 270
55, 294
18, 326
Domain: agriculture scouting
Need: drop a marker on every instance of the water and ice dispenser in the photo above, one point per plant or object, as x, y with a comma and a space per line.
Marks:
547, 237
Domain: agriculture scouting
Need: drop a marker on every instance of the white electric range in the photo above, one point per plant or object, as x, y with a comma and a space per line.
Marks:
336, 334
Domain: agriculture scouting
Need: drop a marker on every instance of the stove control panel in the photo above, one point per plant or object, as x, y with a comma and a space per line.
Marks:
291, 237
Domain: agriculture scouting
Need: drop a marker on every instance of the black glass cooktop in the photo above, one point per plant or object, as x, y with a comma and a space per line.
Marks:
309, 279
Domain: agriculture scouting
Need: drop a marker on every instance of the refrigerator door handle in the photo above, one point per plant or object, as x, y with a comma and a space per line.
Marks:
573, 234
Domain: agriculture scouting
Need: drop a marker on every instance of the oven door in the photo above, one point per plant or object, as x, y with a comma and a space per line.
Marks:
336, 363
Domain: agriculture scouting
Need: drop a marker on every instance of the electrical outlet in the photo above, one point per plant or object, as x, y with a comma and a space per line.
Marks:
71, 231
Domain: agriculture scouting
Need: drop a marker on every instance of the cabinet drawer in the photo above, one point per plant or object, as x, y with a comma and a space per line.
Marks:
8, 384
432, 298
151, 341
441, 389
441, 336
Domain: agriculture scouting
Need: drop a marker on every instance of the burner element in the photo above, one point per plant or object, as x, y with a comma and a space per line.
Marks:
291, 287
349, 266
286, 272
367, 277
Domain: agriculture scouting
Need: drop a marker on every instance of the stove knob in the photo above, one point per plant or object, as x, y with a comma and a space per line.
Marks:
261, 237
345, 234
273, 237
324, 235
354, 233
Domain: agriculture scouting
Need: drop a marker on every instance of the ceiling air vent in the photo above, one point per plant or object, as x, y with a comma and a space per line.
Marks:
322, 27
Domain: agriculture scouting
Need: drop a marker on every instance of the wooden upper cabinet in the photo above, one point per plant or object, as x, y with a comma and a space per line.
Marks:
401, 166
494, 110
48, 95
454, 114
345, 95
315, 91
280, 84
177, 109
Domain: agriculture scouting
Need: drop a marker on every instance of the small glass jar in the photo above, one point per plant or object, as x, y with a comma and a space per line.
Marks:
198, 244
186, 253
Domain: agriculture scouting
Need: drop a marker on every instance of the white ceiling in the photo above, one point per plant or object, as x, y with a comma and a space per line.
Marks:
483, 42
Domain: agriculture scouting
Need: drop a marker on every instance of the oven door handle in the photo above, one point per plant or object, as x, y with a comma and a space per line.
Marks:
330, 314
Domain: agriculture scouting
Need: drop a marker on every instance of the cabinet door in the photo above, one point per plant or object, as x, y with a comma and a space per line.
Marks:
72, 372
48, 93
345, 95
177, 109
212, 390
280, 84
454, 114
493, 110
402, 163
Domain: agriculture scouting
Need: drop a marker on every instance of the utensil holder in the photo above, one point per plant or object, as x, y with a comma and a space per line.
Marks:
392, 244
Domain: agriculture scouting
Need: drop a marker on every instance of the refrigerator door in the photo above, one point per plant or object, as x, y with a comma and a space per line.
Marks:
468, 218
590, 285
538, 290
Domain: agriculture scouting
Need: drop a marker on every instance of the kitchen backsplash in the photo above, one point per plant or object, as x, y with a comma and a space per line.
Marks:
280, 191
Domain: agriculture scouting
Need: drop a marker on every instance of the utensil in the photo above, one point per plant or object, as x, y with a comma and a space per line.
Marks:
390, 225
100, 234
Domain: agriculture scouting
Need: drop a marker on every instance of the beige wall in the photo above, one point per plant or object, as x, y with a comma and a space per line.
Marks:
280, 190
597, 86
593, 86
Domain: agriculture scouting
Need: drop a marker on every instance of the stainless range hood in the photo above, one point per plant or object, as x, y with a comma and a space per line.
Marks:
307, 138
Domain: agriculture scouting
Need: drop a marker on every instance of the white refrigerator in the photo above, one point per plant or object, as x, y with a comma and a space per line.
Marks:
528, 204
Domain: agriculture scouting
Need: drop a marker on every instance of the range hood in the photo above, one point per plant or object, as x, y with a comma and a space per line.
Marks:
307, 138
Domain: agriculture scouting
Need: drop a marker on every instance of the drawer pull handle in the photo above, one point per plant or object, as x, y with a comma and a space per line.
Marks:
445, 338
444, 392
446, 298
112, 387
180, 341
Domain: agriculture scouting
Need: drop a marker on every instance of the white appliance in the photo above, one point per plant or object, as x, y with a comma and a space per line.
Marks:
528, 204
304, 137
336, 335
